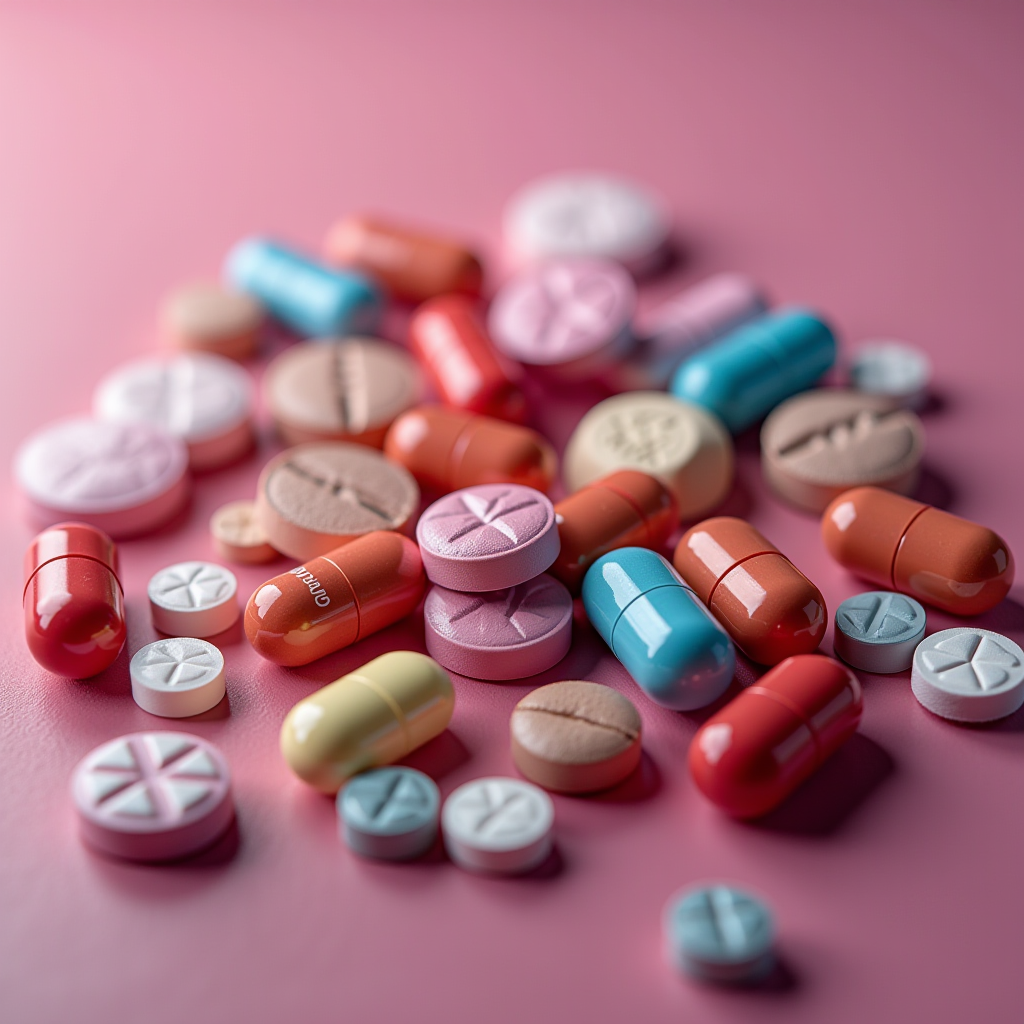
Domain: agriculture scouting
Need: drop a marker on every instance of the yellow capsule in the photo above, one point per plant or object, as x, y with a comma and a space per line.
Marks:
373, 716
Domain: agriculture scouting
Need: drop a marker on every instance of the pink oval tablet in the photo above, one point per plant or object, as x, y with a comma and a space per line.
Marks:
503, 634
153, 796
488, 537
572, 315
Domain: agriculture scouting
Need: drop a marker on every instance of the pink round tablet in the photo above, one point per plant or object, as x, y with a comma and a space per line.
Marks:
488, 537
572, 315
503, 634
153, 796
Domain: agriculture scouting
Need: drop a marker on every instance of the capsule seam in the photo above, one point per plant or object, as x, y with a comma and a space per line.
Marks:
459, 446
355, 597
736, 565
396, 710
903, 536
647, 593
57, 558
791, 707
632, 504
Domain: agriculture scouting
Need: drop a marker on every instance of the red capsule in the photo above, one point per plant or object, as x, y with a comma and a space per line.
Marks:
753, 753
73, 601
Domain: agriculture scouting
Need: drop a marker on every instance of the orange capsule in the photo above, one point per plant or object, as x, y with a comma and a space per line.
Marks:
624, 509
412, 266
336, 599
766, 604
446, 449
903, 545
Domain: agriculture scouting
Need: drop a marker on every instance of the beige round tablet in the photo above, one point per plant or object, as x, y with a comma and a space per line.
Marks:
820, 443
347, 389
316, 497
212, 318
685, 446
237, 536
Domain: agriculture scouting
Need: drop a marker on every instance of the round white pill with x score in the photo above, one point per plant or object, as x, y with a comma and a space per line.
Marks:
193, 599
892, 370
177, 677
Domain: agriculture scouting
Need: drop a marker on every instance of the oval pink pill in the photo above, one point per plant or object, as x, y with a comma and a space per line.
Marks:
488, 537
503, 634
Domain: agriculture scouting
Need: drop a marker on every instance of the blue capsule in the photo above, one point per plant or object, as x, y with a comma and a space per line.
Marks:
656, 626
745, 375
311, 299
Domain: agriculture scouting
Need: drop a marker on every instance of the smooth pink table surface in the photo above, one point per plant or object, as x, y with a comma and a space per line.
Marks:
866, 158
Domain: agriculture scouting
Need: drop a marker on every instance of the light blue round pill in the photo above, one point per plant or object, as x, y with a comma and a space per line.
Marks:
879, 631
389, 813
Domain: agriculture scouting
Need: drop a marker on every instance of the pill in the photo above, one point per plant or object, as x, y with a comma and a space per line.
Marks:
968, 674
568, 316
332, 601
375, 715
914, 549
73, 601
487, 538
448, 337
498, 826
312, 299
878, 631
410, 264
390, 813
766, 604
624, 509
122, 478
203, 399
340, 390
719, 933
212, 318
237, 535
152, 796
816, 445
893, 370
177, 677
446, 449
744, 375
500, 634
587, 214
314, 497
655, 625
748, 757
575, 737
678, 442
193, 599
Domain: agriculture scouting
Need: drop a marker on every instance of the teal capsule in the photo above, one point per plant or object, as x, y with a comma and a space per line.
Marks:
745, 375
657, 627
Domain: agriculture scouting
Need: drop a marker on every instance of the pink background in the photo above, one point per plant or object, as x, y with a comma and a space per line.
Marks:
862, 157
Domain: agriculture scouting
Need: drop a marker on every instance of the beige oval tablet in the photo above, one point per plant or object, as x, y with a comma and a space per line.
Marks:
820, 443
238, 536
212, 318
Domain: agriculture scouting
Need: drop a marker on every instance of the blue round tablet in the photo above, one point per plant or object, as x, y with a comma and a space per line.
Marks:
389, 813
878, 631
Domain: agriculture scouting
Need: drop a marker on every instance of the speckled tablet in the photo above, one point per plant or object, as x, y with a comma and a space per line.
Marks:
389, 813
879, 631
237, 536
212, 318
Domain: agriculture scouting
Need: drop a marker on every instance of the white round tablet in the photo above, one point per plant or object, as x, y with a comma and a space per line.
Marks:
177, 677
894, 370
968, 674
498, 825
193, 599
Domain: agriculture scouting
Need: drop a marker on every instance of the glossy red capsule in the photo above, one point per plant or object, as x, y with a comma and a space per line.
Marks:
73, 601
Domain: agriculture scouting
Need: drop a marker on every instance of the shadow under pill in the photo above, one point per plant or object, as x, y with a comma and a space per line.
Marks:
220, 711
934, 489
438, 757
642, 784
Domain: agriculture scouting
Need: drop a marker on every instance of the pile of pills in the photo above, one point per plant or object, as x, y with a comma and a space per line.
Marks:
392, 507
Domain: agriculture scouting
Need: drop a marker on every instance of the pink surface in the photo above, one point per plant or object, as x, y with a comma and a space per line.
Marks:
863, 157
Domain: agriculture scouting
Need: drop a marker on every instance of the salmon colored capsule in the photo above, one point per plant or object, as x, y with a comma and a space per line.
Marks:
902, 545
624, 509
73, 600
766, 604
753, 753
336, 599
447, 449
412, 266
449, 339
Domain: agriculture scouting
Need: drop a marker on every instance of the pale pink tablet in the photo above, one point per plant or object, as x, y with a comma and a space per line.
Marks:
503, 634
123, 478
488, 537
153, 796
569, 315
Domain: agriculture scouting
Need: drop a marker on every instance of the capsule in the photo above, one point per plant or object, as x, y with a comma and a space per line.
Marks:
654, 624
624, 509
73, 601
410, 265
373, 716
336, 599
311, 299
447, 449
748, 757
745, 375
903, 545
448, 338
766, 604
